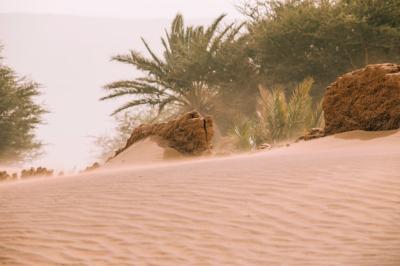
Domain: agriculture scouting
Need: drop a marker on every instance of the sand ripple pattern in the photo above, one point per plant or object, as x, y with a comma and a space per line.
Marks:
288, 207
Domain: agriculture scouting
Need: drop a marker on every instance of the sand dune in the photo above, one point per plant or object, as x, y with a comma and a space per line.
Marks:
331, 201
144, 152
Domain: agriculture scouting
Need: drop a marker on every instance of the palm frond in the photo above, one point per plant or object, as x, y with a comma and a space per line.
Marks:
118, 93
140, 62
135, 87
210, 32
234, 32
138, 102
317, 118
153, 55
214, 44
166, 102
299, 107
243, 133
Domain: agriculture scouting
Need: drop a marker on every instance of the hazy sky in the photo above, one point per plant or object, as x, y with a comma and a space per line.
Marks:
124, 8
70, 57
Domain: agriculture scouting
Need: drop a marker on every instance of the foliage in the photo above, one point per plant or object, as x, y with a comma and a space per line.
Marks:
217, 69
243, 134
294, 39
284, 120
186, 76
19, 116
317, 116
273, 113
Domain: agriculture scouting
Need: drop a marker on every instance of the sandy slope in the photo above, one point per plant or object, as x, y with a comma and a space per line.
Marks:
144, 152
332, 201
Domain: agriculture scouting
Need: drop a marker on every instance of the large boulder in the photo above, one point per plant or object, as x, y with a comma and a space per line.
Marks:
365, 99
189, 133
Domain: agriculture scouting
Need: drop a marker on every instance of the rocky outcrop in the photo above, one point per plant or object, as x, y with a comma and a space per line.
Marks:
365, 99
264, 146
92, 167
190, 133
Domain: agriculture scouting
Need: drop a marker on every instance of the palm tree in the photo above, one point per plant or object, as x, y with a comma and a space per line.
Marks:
185, 73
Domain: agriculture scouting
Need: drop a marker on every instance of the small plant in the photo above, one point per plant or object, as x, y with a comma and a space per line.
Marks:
243, 134
281, 119
317, 116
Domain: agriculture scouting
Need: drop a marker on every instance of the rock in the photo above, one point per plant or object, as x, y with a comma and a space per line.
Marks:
365, 99
312, 133
92, 167
190, 133
264, 146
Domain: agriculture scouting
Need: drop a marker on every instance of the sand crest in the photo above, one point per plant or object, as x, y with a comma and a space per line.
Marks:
330, 201
145, 152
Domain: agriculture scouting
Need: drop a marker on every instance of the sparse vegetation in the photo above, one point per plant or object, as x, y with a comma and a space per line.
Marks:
280, 119
4, 175
243, 134
27, 173
224, 71
39, 171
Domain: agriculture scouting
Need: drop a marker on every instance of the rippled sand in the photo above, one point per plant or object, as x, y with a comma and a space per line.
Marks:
331, 201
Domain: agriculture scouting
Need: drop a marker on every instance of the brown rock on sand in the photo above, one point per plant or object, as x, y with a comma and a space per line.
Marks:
365, 99
190, 133
312, 133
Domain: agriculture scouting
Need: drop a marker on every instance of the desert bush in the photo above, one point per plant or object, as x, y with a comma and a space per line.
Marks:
39, 171
4, 175
280, 119
243, 134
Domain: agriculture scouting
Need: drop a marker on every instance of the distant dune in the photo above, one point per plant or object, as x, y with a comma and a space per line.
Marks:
330, 201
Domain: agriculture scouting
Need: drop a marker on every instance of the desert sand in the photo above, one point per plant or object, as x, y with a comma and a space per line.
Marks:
144, 152
330, 201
